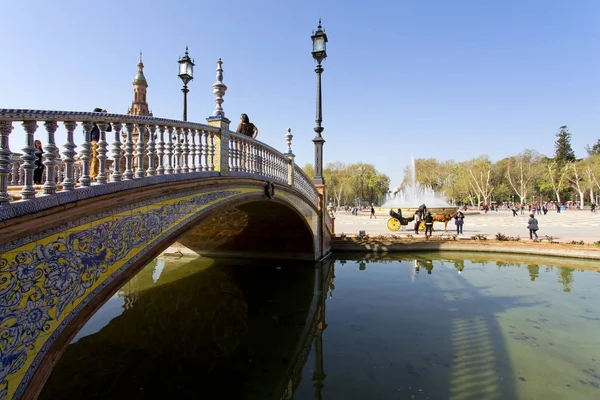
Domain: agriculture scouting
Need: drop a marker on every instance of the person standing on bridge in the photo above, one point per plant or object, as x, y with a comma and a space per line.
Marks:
246, 127
38, 172
94, 139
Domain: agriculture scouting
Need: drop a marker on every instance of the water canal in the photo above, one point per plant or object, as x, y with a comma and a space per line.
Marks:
411, 326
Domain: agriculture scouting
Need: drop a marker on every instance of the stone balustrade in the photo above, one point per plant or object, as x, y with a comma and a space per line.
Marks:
140, 147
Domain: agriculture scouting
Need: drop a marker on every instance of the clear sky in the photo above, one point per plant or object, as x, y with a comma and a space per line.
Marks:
439, 78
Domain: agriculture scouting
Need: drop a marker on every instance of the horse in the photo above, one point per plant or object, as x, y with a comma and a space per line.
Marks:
444, 217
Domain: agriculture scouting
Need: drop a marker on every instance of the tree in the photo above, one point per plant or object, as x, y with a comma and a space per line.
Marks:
556, 175
480, 171
522, 172
577, 180
563, 152
309, 170
594, 150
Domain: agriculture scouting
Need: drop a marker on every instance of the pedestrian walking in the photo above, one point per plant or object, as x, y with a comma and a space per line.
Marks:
532, 225
372, 212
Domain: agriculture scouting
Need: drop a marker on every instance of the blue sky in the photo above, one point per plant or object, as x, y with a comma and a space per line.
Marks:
444, 79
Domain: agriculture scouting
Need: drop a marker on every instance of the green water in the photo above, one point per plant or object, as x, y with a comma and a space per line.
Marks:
415, 326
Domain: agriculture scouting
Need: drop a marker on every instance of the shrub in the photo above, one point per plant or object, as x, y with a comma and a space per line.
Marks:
501, 237
479, 236
343, 235
580, 242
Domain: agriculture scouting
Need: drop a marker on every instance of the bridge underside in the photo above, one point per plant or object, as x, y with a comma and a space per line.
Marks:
264, 229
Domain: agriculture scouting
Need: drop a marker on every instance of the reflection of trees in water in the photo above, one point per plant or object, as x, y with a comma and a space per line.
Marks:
534, 272
565, 277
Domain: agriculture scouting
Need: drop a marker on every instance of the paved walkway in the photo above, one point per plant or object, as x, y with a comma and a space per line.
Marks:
563, 227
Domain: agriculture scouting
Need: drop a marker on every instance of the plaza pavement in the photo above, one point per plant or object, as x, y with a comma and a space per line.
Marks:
563, 227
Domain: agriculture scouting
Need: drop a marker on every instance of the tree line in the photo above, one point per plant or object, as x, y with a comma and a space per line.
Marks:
526, 177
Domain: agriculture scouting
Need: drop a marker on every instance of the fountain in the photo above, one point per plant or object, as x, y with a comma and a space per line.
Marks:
410, 197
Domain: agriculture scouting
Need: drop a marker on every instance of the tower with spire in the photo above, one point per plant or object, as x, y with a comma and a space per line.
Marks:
140, 89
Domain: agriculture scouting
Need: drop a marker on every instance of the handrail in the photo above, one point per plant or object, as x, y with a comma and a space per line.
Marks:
141, 146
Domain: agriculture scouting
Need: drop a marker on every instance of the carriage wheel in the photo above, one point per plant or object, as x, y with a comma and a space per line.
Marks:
393, 224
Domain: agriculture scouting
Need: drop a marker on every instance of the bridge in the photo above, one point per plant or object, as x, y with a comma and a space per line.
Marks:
70, 243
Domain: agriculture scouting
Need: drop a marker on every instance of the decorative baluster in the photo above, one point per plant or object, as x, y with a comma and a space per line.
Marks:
68, 182
128, 175
21, 174
15, 165
199, 151
233, 154
151, 171
28, 157
50, 158
178, 151
5, 162
141, 147
202, 151
117, 153
101, 179
85, 153
238, 154
169, 151
186, 151
210, 144
193, 150
160, 150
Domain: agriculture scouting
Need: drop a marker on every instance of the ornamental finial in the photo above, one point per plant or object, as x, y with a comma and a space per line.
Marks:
219, 90
288, 141
319, 27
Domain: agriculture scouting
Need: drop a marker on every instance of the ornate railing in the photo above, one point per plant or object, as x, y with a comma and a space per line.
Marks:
161, 147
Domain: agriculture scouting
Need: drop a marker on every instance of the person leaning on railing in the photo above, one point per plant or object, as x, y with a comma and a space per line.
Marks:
246, 127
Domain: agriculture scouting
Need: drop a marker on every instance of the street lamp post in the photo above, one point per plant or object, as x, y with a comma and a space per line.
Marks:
186, 73
319, 53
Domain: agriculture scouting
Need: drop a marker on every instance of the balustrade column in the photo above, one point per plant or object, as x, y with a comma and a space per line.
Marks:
50, 158
169, 151
204, 151
128, 175
151, 171
199, 149
102, 143
16, 167
210, 144
5, 162
186, 151
160, 150
28, 191
85, 153
117, 153
193, 150
141, 147
68, 182
178, 151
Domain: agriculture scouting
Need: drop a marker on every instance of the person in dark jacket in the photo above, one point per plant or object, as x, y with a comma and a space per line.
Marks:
38, 172
428, 224
532, 225
246, 127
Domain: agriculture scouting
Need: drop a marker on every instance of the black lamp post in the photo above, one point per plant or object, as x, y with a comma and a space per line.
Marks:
319, 53
186, 73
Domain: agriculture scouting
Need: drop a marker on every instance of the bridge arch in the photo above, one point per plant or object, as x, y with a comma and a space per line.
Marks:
59, 266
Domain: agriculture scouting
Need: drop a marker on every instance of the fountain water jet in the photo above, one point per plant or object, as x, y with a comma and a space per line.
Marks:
415, 194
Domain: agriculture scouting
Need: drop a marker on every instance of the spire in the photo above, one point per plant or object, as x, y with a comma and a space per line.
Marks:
139, 77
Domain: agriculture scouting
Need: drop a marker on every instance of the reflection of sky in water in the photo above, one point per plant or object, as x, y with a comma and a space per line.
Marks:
114, 306
459, 330
111, 309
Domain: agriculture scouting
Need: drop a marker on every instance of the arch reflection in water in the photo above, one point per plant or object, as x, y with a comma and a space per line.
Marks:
197, 329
